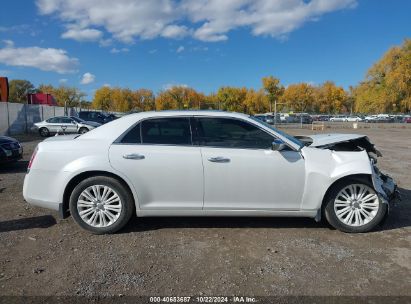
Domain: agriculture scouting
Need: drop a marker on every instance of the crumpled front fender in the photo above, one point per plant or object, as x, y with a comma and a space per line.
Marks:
385, 186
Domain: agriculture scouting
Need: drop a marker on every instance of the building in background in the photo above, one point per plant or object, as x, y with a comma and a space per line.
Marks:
4, 89
41, 98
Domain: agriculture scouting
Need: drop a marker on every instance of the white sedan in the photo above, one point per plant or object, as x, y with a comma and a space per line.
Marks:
64, 124
206, 163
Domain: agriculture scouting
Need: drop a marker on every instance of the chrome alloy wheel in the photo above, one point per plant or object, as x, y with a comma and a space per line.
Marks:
99, 206
356, 205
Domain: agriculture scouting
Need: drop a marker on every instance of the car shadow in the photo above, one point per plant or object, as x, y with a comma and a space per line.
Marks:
16, 167
399, 217
44, 221
157, 223
400, 212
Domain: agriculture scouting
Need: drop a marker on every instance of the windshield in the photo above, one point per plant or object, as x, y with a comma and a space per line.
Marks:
77, 119
289, 137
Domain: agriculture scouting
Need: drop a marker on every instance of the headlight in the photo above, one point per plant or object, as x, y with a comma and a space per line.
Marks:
7, 152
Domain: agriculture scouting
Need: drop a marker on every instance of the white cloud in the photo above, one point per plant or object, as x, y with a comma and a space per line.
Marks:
80, 34
175, 31
87, 78
8, 43
116, 50
168, 86
63, 80
46, 59
180, 49
206, 20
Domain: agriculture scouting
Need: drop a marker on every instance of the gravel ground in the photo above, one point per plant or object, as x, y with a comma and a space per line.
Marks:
43, 255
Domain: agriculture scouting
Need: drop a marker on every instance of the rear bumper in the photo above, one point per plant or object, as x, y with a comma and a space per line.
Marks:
44, 189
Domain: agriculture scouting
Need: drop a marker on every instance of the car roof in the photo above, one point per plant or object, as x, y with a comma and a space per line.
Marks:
169, 113
112, 130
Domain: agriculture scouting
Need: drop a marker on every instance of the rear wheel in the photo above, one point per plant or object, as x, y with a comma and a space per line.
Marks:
101, 205
44, 132
354, 206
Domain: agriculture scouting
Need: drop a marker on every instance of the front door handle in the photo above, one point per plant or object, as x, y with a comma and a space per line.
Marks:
133, 156
219, 159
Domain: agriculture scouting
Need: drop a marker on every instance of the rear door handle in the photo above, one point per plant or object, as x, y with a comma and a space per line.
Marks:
219, 159
133, 156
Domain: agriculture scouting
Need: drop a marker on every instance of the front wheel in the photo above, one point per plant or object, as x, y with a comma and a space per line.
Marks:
83, 130
101, 205
354, 207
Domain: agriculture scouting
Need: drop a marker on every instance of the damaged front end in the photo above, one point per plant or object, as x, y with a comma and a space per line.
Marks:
383, 184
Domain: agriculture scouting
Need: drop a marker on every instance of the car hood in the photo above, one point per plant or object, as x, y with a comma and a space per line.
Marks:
92, 123
6, 139
340, 142
326, 139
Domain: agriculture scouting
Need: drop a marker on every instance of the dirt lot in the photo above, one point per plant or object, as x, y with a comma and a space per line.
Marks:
43, 255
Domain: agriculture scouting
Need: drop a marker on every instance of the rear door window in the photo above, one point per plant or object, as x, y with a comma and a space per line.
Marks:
166, 131
133, 136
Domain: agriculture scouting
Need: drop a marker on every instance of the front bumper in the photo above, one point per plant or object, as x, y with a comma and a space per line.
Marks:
11, 155
385, 186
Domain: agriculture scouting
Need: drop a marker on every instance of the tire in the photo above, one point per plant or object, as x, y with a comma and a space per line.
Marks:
83, 130
367, 210
96, 217
44, 132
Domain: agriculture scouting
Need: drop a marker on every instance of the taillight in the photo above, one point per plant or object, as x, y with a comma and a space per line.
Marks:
32, 159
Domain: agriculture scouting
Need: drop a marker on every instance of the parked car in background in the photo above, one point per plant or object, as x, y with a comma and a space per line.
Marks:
10, 150
266, 118
304, 118
339, 118
288, 118
207, 163
82, 121
379, 118
407, 119
95, 116
64, 124
320, 117
354, 118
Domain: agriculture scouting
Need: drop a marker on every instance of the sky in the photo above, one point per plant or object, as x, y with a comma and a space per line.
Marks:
204, 44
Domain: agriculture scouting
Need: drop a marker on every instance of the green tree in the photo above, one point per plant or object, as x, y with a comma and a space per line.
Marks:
18, 90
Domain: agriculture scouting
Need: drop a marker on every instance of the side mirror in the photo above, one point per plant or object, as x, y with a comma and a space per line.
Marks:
278, 145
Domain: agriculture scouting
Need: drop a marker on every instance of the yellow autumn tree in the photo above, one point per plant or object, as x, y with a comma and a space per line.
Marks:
256, 102
387, 87
102, 99
299, 97
179, 98
232, 99
273, 89
330, 98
